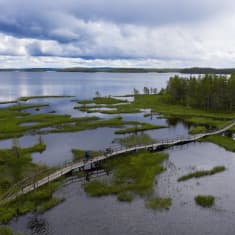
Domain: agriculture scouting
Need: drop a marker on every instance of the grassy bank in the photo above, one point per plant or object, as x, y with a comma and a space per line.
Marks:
223, 141
198, 129
16, 164
5, 230
39, 200
132, 174
205, 200
199, 174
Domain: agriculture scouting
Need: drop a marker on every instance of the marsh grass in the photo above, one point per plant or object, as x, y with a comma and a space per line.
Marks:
133, 140
139, 128
199, 174
52, 202
134, 173
198, 129
205, 200
223, 141
16, 164
158, 203
26, 98
102, 100
5, 230
125, 197
39, 200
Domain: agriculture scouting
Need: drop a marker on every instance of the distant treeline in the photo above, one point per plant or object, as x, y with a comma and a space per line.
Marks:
208, 92
151, 70
129, 70
118, 70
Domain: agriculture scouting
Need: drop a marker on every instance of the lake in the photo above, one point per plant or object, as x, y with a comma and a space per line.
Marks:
80, 214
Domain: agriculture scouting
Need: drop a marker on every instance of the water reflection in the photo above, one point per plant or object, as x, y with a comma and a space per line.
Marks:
80, 214
81, 85
38, 225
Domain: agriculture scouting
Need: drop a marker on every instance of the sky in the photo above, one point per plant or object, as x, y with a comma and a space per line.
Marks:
123, 33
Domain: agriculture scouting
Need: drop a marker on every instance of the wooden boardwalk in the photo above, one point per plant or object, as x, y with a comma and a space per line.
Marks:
86, 164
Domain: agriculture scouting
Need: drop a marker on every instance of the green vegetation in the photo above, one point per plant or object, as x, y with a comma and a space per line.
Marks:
194, 70
209, 92
108, 100
158, 203
161, 103
158, 104
223, 141
125, 197
139, 128
199, 174
22, 107
8, 102
132, 140
109, 109
132, 174
54, 201
4, 230
102, 100
13, 118
38, 200
205, 200
16, 165
198, 129
79, 155
26, 98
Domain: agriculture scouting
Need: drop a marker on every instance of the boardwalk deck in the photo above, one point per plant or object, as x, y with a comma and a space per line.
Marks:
81, 165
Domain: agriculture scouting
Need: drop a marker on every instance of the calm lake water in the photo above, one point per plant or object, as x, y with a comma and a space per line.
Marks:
81, 85
80, 214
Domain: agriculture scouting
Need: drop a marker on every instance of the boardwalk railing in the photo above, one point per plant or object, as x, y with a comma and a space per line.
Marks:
29, 185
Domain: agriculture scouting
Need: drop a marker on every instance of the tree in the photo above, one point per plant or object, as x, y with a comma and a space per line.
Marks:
16, 147
97, 93
135, 91
146, 90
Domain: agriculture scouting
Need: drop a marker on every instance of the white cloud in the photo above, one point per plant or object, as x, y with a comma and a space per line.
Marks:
122, 33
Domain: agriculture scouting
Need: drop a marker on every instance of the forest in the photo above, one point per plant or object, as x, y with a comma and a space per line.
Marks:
207, 92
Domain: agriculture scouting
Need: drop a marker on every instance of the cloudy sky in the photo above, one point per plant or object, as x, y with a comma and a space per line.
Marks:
143, 33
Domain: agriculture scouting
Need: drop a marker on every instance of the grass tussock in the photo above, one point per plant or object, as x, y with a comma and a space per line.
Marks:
125, 197
205, 200
158, 203
199, 174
